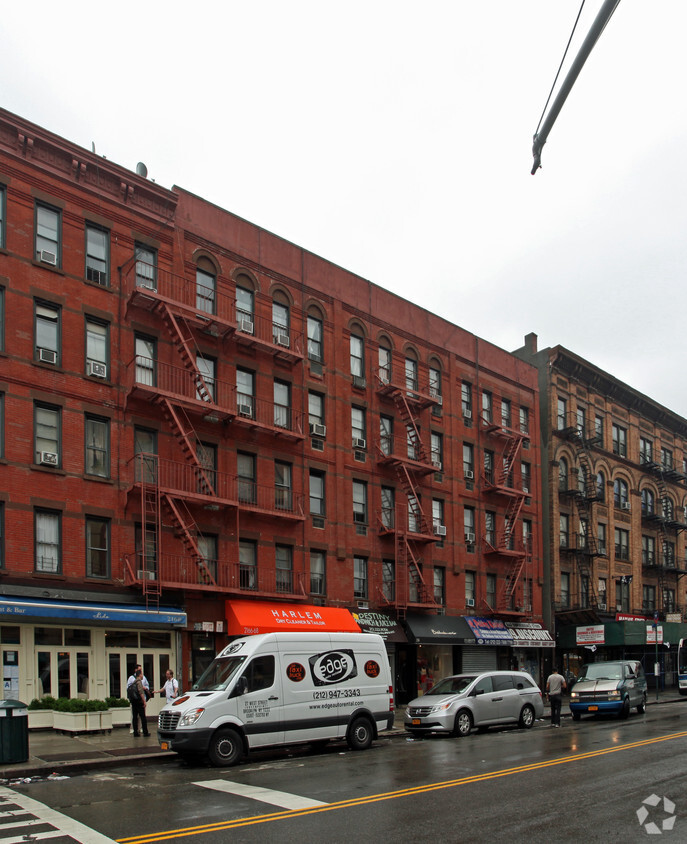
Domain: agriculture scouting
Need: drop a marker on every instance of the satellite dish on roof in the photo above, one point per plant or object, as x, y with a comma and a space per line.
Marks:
142, 170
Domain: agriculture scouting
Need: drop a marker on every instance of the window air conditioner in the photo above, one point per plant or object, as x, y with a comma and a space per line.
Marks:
142, 574
467, 414
470, 538
359, 381
602, 606
469, 602
359, 442
48, 257
245, 410
246, 326
99, 370
526, 490
625, 505
437, 464
469, 474
282, 340
440, 530
49, 458
47, 356
318, 430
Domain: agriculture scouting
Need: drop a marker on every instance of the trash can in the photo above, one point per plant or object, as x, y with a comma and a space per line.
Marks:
14, 731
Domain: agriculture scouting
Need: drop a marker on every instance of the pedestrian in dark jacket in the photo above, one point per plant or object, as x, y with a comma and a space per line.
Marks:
137, 696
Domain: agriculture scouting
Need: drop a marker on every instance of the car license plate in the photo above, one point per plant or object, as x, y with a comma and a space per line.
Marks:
164, 745
416, 722
593, 708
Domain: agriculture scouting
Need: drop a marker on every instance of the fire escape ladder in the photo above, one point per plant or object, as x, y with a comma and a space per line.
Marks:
512, 580
401, 575
511, 518
414, 508
186, 437
189, 533
510, 453
409, 420
151, 529
183, 340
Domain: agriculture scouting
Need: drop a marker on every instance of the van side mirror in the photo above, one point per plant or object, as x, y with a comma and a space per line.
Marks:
241, 687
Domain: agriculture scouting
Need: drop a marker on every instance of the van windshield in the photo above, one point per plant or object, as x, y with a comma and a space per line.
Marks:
219, 674
452, 685
601, 671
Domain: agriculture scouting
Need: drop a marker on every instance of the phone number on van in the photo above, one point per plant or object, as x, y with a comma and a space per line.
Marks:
335, 693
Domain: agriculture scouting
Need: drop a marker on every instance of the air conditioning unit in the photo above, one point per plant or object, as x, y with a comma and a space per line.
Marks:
282, 340
48, 257
47, 356
143, 574
469, 474
359, 381
99, 370
470, 538
245, 410
440, 530
246, 325
49, 458
359, 442
318, 430
437, 464
602, 606
434, 393
363, 605
625, 505
526, 490
469, 602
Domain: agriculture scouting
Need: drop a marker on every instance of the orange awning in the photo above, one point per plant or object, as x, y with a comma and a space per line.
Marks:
246, 618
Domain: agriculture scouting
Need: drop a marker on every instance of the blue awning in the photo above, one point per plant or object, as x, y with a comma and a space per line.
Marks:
16, 609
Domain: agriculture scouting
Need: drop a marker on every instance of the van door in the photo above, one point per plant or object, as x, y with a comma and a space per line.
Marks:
486, 702
260, 705
509, 705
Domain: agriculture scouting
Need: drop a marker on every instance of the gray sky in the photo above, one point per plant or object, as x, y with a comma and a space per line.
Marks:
394, 139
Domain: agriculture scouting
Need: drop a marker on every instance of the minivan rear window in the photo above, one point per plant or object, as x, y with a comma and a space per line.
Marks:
502, 682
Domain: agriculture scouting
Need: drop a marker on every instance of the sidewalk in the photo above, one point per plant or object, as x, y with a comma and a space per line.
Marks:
63, 754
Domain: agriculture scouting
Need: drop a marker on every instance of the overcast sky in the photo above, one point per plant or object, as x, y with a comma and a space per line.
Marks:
394, 139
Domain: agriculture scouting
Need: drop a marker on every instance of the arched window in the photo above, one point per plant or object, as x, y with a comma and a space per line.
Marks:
600, 486
206, 286
620, 494
280, 320
315, 324
384, 360
648, 508
563, 474
245, 303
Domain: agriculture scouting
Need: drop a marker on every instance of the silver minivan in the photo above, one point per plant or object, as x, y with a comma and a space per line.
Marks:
479, 699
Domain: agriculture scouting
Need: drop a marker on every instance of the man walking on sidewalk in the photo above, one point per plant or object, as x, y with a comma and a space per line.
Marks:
554, 688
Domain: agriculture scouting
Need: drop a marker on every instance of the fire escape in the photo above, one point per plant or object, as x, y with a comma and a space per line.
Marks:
508, 543
188, 395
407, 523
585, 546
663, 518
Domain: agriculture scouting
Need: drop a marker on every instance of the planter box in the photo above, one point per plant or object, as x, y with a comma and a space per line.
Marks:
40, 719
121, 716
82, 722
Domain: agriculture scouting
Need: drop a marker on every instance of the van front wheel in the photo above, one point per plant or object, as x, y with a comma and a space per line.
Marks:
226, 748
360, 734
463, 724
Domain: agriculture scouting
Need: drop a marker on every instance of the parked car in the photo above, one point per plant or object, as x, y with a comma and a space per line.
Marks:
481, 699
609, 687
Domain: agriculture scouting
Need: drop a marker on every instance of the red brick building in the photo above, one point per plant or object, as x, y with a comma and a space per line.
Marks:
197, 413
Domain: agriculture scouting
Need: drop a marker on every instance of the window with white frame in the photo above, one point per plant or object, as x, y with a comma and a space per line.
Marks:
466, 399
245, 392
283, 497
280, 323
314, 329
284, 565
357, 347
146, 266
282, 404
469, 527
48, 235
97, 547
146, 360
206, 291
468, 461
490, 527
97, 437
315, 411
360, 577
245, 307
411, 373
47, 435
246, 472
207, 367
97, 348
317, 487
248, 564
524, 420
47, 332
48, 541
437, 450
384, 361
360, 502
470, 579
487, 412
97, 255
318, 573
440, 585
561, 413
564, 530
438, 516
619, 440
358, 427
506, 414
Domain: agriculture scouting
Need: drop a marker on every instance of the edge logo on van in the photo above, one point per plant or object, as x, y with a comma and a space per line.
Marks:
332, 667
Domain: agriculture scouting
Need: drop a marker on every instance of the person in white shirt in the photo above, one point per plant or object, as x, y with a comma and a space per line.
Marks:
171, 686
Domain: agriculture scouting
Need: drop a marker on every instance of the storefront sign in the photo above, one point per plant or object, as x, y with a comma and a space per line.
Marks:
529, 635
593, 634
381, 624
489, 631
674, 617
247, 618
651, 632
624, 616
16, 608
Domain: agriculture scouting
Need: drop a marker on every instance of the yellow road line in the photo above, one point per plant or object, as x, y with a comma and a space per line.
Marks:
390, 795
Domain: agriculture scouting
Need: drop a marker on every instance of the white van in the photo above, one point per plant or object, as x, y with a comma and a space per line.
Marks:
283, 688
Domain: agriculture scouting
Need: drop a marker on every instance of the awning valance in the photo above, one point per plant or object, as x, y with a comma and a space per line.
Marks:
18, 609
247, 618
433, 629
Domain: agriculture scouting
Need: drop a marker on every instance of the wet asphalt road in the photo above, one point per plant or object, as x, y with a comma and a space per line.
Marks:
583, 782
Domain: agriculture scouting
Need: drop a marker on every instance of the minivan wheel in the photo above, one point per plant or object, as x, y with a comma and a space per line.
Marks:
527, 717
625, 711
463, 725
360, 734
225, 749
641, 708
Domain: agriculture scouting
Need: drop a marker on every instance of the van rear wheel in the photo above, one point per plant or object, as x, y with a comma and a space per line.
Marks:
226, 748
360, 734
642, 706
527, 716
